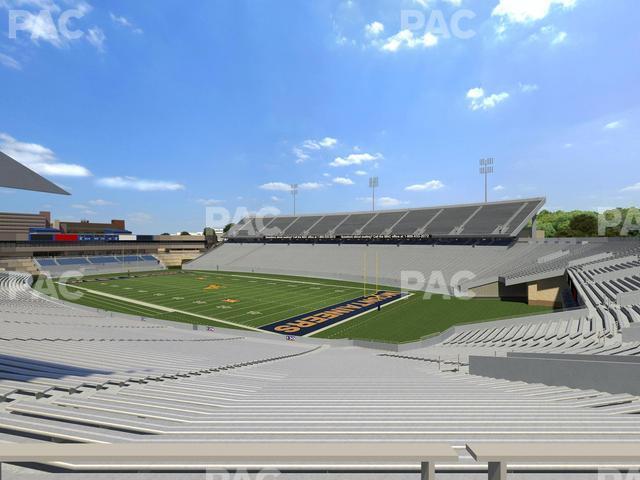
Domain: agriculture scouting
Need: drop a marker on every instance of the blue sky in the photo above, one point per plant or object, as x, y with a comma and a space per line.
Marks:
155, 110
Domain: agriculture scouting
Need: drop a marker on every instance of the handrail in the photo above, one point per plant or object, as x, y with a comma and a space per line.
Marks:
234, 455
498, 455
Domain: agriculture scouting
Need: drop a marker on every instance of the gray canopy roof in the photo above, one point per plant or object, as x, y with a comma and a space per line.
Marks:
15, 175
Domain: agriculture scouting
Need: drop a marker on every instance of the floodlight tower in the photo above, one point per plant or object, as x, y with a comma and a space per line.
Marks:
486, 168
294, 193
373, 184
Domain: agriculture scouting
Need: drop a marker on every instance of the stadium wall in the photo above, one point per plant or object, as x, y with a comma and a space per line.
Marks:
613, 374
547, 292
490, 290
631, 334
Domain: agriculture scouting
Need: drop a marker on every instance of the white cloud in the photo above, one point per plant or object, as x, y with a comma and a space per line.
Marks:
384, 201
275, 199
301, 157
326, 142
9, 62
527, 11
277, 186
355, 159
310, 186
285, 187
559, 38
374, 28
405, 38
499, 188
40, 159
41, 27
478, 100
360, 172
528, 87
38, 19
209, 202
632, 188
550, 34
141, 185
475, 93
430, 185
96, 37
343, 181
568, 145
613, 125
390, 202
301, 154
125, 22
100, 203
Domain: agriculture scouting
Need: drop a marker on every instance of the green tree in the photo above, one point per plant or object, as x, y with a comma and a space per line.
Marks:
185, 233
210, 236
584, 225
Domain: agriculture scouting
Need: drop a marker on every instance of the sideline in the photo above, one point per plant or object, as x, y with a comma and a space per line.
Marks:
161, 308
210, 272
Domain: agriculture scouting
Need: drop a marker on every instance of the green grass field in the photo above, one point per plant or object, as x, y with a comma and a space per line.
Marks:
240, 300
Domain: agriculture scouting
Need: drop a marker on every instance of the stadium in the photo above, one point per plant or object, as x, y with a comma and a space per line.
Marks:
337, 345
319, 240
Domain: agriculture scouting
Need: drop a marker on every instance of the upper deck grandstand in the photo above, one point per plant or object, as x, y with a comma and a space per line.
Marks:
481, 220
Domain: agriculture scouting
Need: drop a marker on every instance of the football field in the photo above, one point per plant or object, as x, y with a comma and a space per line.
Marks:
260, 301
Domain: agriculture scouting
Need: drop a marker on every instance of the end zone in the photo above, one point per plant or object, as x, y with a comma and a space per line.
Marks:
311, 322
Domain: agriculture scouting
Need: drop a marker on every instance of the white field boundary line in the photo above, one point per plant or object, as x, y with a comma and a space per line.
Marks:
280, 280
161, 308
356, 316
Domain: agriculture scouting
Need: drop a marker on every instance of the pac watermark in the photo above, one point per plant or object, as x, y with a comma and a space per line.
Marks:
438, 24
609, 474
262, 474
619, 222
437, 282
255, 224
60, 288
53, 26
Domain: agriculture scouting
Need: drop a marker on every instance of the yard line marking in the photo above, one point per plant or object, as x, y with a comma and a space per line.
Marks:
161, 308
294, 281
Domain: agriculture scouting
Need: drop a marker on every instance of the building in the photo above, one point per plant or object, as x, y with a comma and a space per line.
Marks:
85, 226
15, 227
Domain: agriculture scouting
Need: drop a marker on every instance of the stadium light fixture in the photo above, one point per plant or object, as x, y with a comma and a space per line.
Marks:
373, 184
294, 193
486, 168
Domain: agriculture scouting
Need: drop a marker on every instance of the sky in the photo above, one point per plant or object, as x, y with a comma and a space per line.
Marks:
160, 111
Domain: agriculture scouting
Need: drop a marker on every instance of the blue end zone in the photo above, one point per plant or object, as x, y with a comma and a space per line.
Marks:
310, 322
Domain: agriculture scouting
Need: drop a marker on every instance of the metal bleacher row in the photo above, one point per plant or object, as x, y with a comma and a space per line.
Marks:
611, 289
499, 219
71, 374
606, 278
56, 266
